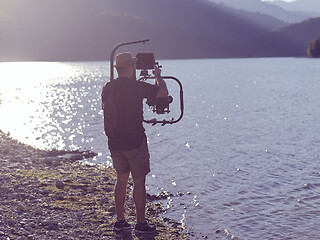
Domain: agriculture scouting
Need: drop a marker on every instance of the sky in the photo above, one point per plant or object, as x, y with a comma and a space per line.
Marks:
276, 0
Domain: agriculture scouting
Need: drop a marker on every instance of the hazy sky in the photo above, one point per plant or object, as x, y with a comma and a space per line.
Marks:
276, 0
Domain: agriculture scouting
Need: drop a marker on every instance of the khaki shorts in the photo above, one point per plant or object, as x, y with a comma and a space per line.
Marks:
135, 161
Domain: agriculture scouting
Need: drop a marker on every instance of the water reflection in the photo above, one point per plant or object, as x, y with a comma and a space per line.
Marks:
42, 103
247, 157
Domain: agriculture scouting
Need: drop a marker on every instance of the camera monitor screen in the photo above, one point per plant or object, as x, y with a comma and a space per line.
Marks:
145, 61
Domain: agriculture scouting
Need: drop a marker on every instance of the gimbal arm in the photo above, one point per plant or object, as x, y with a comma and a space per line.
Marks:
114, 51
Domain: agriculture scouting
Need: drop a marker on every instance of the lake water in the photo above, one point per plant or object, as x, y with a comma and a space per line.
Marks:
245, 159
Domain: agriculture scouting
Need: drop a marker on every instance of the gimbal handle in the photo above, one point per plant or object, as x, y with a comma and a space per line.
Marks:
114, 51
171, 121
152, 121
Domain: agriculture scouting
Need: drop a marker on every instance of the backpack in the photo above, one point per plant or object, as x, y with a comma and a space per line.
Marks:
110, 110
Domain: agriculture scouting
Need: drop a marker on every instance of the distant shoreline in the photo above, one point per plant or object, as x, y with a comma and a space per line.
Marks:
159, 59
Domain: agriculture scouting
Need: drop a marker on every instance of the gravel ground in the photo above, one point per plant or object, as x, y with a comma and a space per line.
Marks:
52, 195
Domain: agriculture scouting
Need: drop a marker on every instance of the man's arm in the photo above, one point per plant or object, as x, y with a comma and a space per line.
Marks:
163, 90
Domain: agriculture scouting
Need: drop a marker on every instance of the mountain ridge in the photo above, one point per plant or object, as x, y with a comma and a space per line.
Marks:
288, 41
268, 7
308, 6
200, 29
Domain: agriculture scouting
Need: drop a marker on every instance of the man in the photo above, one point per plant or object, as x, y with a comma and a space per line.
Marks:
128, 146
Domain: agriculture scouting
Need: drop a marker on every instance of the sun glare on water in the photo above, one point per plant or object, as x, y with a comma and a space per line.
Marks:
23, 96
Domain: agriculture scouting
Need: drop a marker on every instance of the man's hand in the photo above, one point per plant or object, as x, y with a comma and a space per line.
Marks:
163, 91
156, 72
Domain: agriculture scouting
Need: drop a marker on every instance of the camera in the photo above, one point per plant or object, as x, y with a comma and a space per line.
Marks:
160, 105
145, 61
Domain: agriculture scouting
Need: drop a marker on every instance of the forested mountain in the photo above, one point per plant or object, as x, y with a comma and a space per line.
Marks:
290, 41
88, 30
275, 9
85, 30
311, 6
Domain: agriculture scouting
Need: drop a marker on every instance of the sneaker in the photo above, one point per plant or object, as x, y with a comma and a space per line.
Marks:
145, 228
121, 225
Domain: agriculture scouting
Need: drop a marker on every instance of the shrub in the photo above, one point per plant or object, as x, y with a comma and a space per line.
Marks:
314, 48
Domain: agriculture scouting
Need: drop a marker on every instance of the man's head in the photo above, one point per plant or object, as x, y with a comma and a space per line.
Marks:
126, 65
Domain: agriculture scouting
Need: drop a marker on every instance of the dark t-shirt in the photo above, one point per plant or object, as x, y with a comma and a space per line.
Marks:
128, 96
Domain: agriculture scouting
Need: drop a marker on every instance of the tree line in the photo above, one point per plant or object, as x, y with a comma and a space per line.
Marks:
313, 49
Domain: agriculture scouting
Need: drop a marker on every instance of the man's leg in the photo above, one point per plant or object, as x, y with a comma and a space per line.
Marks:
139, 197
120, 194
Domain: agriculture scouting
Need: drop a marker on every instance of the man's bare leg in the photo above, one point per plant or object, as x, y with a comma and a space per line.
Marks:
139, 198
120, 194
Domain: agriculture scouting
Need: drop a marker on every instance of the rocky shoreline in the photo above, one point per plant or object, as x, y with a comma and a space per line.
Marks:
52, 195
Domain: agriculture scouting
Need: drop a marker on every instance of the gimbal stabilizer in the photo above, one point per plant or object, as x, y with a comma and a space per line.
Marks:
146, 62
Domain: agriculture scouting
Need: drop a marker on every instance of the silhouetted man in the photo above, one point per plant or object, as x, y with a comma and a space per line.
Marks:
128, 146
